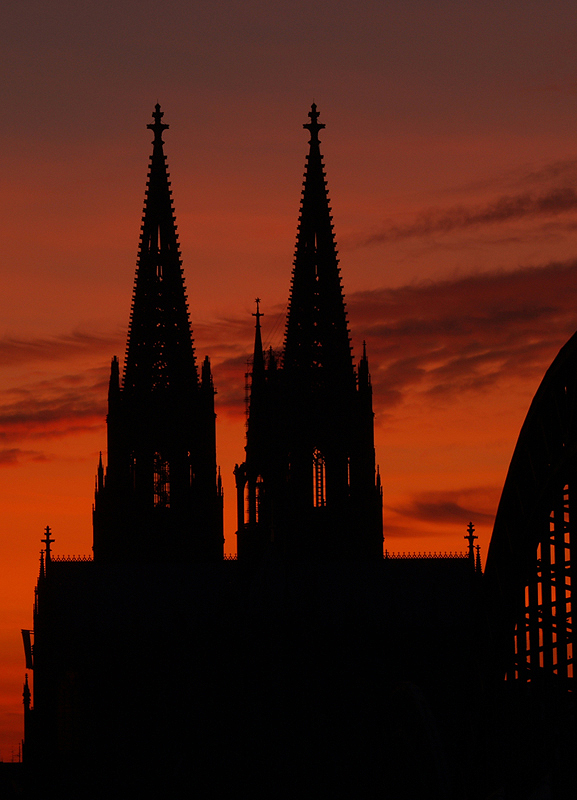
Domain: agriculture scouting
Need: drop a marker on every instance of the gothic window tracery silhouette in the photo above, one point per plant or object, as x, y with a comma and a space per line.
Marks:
319, 479
161, 482
259, 490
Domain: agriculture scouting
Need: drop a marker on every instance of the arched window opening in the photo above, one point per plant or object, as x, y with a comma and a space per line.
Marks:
247, 519
259, 498
161, 482
319, 480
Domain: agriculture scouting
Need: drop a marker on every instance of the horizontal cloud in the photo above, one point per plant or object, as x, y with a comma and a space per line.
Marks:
15, 455
15, 351
473, 504
506, 208
465, 334
55, 406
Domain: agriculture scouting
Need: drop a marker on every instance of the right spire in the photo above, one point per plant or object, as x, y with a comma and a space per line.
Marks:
308, 487
317, 335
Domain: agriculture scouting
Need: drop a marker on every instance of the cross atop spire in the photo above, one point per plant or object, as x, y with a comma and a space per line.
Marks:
157, 126
258, 314
313, 126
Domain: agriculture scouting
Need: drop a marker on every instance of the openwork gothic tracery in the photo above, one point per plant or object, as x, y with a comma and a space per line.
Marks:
161, 482
319, 479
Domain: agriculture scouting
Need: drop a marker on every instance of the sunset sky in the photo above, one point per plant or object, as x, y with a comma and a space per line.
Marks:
451, 157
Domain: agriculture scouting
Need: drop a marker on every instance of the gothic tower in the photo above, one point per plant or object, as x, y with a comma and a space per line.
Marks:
160, 497
308, 486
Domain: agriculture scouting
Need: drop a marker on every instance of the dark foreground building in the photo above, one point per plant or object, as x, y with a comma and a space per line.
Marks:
312, 665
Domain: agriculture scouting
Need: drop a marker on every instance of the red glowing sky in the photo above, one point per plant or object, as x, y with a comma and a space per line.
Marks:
451, 158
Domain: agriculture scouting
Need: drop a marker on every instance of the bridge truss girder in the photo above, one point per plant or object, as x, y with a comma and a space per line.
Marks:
529, 572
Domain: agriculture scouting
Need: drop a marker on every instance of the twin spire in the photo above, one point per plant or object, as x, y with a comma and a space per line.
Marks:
160, 492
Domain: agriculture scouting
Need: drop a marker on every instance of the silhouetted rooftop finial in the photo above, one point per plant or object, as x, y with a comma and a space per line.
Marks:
157, 126
258, 358
258, 314
478, 567
314, 126
48, 541
470, 537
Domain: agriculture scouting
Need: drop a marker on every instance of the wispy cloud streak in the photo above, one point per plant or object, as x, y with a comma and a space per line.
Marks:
467, 334
507, 208
17, 351
53, 407
452, 506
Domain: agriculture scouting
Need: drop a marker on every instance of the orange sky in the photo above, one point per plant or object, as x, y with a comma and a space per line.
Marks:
452, 166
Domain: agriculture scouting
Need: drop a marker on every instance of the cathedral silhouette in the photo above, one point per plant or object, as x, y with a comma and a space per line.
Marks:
314, 663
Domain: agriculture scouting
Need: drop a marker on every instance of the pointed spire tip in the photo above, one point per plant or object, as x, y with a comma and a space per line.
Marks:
314, 126
157, 126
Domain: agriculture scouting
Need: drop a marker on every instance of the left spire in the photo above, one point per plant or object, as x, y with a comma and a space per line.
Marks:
159, 348
159, 497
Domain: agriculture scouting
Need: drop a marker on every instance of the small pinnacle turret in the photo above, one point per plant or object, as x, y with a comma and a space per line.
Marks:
258, 355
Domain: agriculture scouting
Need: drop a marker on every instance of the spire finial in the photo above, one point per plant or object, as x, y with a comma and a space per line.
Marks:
48, 541
470, 537
157, 126
314, 126
258, 315
258, 357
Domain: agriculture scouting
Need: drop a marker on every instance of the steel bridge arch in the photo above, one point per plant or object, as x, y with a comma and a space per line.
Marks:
529, 575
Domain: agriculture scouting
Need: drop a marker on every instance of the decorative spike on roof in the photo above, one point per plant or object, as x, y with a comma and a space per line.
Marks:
258, 356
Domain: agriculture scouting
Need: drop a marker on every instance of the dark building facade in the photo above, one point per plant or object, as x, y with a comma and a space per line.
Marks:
313, 664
